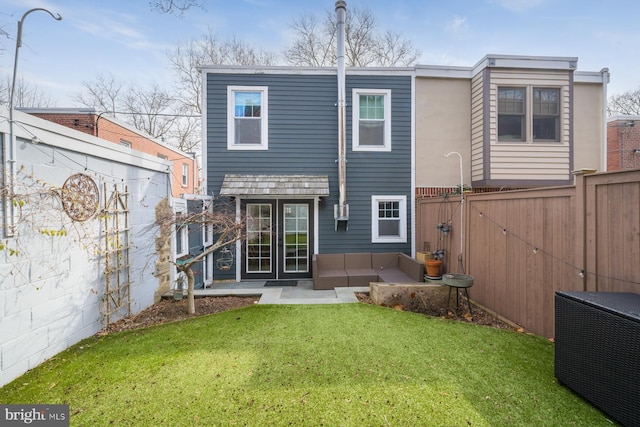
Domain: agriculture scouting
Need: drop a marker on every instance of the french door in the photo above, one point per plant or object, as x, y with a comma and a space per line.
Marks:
279, 241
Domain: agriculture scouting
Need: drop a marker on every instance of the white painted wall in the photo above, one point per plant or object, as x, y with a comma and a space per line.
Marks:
51, 293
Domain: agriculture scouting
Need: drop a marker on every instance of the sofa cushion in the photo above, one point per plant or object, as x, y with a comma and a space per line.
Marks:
358, 266
384, 260
330, 262
329, 272
391, 275
362, 277
357, 261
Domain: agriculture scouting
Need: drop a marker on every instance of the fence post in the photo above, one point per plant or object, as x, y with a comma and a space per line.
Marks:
580, 228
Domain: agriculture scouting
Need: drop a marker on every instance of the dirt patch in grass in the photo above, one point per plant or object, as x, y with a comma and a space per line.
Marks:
478, 315
169, 310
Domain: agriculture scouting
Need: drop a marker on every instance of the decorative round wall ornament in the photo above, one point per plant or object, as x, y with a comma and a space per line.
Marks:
80, 197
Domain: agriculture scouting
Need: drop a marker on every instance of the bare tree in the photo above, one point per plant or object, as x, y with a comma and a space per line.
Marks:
175, 7
227, 228
315, 42
185, 133
105, 93
26, 95
187, 57
150, 110
153, 110
627, 103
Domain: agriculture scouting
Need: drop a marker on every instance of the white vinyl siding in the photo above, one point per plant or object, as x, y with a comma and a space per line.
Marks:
247, 118
371, 127
532, 159
477, 127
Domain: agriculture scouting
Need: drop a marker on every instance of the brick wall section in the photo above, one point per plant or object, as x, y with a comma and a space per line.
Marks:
622, 140
104, 128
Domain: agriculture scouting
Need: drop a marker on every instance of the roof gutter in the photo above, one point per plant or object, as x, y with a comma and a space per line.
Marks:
341, 210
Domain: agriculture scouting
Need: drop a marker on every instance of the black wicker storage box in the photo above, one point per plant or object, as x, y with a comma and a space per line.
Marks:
597, 352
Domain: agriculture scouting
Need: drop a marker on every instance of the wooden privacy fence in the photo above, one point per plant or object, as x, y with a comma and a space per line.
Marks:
522, 246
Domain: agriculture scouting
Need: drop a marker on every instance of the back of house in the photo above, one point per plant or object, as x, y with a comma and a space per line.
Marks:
273, 144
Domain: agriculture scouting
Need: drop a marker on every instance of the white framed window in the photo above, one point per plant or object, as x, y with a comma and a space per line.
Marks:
182, 240
546, 114
185, 175
371, 127
388, 219
529, 114
247, 118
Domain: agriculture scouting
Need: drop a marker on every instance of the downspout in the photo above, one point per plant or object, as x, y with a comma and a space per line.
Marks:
605, 81
341, 210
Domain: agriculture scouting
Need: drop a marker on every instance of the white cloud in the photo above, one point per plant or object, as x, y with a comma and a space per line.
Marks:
458, 23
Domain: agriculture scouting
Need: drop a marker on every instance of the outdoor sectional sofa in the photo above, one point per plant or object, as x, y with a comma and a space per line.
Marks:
359, 269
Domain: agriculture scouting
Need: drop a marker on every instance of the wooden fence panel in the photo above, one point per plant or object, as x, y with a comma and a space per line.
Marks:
522, 246
612, 228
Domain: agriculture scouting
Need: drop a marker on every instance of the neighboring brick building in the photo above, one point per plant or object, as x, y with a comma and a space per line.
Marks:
623, 143
184, 176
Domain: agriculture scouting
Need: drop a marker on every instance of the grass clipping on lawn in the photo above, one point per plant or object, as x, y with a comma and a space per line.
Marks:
348, 364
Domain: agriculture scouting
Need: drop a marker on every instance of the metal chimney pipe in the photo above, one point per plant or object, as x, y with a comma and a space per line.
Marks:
341, 213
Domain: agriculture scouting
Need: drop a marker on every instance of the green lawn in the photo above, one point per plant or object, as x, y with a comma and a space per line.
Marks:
348, 365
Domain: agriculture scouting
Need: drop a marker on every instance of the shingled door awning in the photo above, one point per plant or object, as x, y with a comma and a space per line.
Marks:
275, 185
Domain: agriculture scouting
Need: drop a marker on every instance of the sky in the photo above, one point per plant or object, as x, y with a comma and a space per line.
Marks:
127, 39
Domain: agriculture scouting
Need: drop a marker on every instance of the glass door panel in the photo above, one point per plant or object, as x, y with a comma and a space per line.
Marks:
296, 237
259, 238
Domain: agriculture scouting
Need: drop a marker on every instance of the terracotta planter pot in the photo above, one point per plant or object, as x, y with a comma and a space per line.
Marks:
433, 267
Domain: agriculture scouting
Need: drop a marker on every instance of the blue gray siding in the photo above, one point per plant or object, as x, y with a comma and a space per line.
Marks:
303, 139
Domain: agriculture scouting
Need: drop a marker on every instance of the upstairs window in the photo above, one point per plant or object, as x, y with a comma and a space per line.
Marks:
546, 114
247, 118
511, 114
371, 120
528, 114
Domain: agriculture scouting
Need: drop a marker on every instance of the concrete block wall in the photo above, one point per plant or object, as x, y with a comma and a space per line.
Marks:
52, 290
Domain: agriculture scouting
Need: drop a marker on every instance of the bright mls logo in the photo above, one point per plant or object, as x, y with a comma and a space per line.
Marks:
34, 415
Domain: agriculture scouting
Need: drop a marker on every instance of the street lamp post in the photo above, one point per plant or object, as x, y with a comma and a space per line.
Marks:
10, 152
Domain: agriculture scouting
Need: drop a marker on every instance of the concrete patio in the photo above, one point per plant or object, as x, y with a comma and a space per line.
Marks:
303, 293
